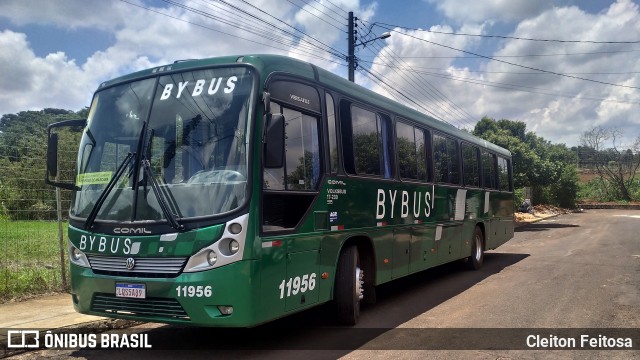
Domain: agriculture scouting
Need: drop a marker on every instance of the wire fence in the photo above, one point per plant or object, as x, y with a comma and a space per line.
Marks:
33, 226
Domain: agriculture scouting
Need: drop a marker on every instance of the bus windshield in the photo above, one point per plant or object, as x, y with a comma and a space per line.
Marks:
178, 140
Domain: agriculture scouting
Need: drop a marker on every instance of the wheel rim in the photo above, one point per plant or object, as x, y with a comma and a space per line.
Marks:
478, 254
359, 283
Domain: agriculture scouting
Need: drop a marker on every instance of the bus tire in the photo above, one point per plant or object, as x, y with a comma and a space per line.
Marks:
474, 261
348, 291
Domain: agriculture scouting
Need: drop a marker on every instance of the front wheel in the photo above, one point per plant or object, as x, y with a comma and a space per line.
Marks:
474, 261
348, 291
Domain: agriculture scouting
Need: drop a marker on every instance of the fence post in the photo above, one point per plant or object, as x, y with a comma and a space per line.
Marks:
61, 238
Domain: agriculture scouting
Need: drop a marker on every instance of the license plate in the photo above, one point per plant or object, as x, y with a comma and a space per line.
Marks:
133, 291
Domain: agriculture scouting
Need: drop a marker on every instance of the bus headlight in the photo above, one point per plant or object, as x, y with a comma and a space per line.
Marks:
227, 250
234, 246
77, 257
225, 309
235, 228
212, 257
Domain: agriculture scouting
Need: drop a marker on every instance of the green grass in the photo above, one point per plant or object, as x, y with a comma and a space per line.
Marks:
30, 258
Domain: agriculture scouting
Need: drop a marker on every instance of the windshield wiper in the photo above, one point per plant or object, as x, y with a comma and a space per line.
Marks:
114, 179
171, 217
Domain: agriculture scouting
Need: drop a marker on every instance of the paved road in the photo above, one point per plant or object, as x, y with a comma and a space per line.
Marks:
572, 271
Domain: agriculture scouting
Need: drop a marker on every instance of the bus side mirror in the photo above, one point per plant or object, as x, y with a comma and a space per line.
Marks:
274, 142
52, 153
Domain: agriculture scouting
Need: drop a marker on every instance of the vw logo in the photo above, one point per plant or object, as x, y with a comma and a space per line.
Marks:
131, 263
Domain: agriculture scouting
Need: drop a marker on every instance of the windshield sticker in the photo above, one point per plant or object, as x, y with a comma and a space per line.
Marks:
199, 87
94, 178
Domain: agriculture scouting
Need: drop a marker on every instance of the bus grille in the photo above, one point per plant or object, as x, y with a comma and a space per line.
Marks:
150, 307
144, 267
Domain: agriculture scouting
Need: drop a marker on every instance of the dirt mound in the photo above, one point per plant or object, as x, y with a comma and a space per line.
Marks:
539, 212
549, 209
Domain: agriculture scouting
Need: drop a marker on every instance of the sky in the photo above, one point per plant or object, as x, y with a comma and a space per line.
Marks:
456, 60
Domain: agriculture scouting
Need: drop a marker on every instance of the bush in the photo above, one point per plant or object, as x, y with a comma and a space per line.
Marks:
564, 192
601, 190
518, 198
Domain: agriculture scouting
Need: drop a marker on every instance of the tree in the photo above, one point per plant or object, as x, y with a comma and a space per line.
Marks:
548, 168
529, 169
615, 165
23, 139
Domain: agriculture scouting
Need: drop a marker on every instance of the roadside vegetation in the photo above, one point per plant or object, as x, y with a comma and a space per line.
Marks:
30, 260
601, 169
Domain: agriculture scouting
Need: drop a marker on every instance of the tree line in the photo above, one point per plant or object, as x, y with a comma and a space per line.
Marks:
23, 152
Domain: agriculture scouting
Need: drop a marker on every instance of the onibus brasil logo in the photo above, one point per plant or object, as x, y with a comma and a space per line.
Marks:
33, 339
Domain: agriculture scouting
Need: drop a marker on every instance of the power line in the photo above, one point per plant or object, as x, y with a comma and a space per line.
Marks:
395, 89
312, 14
248, 23
522, 56
298, 51
440, 100
504, 72
336, 52
342, 15
511, 37
429, 90
508, 86
514, 64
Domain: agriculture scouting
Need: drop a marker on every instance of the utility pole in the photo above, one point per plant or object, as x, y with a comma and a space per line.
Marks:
351, 57
353, 37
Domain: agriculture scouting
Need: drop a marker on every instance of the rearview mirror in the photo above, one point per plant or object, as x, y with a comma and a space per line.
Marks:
52, 153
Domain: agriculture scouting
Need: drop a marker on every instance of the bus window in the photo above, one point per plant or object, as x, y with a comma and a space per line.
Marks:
290, 190
503, 174
333, 143
302, 151
366, 145
489, 171
446, 162
470, 165
410, 146
301, 170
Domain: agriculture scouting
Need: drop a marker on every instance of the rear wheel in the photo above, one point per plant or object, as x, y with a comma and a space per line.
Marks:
348, 291
474, 261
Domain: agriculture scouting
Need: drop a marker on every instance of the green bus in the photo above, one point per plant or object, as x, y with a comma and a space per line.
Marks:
233, 191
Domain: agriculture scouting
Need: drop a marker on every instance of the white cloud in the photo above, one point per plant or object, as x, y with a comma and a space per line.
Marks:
555, 107
63, 13
143, 38
28, 82
561, 118
463, 11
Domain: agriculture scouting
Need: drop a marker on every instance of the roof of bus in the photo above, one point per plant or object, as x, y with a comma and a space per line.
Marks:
268, 64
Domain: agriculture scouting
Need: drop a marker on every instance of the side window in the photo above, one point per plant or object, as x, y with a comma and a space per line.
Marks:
301, 169
410, 145
331, 126
446, 162
504, 170
470, 165
489, 180
365, 139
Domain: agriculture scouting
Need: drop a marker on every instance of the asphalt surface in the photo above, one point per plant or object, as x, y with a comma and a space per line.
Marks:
579, 272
